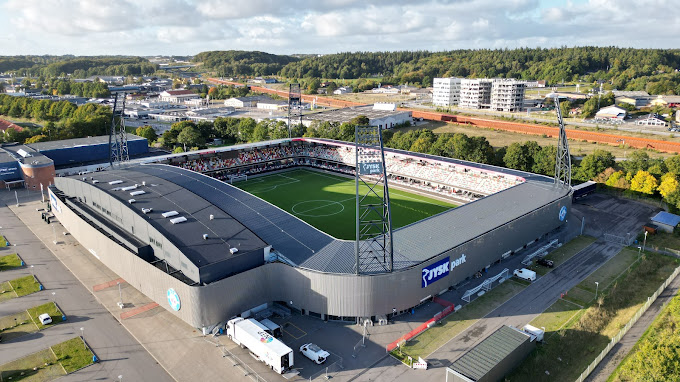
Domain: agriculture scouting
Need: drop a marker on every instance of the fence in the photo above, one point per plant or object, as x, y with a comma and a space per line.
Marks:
626, 328
486, 285
623, 240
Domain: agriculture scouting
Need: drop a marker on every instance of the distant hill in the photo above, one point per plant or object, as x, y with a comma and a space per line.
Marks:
79, 67
238, 62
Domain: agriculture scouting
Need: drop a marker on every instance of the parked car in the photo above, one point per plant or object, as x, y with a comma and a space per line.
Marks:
525, 274
314, 353
545, 263
45, 319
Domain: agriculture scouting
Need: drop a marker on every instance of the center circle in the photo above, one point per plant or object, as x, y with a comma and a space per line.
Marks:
317, 208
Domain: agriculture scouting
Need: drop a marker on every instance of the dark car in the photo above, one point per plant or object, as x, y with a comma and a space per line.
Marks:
545, 263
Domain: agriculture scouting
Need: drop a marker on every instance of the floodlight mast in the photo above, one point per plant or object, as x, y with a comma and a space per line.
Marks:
563, 160
118, 145
374, 248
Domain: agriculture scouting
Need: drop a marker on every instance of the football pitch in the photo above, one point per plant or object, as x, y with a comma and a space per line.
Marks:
328, 202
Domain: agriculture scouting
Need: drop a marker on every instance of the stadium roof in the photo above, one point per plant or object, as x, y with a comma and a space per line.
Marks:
75, 142
164, 194
481, 359
311, 248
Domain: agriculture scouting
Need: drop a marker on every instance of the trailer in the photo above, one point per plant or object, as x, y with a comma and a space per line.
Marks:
248, 333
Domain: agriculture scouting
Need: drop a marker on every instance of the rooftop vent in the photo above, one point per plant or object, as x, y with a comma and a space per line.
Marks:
144, 183
115, 182
205, 236
128, 188
131, 201
212, 217
233, 250
169, 214
147, 210
135, 193
178, 220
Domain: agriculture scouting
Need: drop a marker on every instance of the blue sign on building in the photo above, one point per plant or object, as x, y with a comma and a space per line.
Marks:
563, 213
173, 300
435, 272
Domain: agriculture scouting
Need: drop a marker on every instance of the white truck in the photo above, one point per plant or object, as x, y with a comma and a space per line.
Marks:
248, 333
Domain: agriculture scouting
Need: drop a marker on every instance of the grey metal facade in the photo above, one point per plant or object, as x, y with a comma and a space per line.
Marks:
325, 293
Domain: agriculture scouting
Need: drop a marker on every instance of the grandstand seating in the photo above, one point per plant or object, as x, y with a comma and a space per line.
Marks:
427, 174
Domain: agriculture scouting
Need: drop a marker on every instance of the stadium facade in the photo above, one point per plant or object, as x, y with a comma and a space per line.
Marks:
207, 251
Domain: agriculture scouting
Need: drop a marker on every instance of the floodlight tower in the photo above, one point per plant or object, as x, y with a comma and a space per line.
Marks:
374, 249
294, 107
118, 146
563, 160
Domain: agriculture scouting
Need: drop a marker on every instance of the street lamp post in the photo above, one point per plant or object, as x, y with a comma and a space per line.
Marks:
31, 268
120, 294
639, 252
54, 230
597, 286
82, 332
645, 241
120, 378
624, 147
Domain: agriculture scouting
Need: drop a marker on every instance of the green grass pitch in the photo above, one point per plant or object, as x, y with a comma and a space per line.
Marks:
328, 202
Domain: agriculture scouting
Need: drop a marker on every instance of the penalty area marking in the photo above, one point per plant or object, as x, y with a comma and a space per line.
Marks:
306, 212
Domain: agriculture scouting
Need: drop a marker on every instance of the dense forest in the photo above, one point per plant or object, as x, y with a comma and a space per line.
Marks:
228, 63
621, 68
78, 67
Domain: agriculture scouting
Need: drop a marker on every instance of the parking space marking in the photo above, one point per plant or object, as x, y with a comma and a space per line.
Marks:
288, 324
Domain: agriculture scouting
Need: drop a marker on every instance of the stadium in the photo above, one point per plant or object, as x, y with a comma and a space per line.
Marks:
216, 233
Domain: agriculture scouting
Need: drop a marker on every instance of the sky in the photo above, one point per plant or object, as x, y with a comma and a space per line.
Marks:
187, 27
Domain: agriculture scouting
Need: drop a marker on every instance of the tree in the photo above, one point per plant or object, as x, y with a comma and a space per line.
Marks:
644, 182
189, 136
637, 161
177, 150
146, 132
37, 138
618, 180
544, 161
595, 163
517, 157
673, 164
261, 131
669, 185
245, 129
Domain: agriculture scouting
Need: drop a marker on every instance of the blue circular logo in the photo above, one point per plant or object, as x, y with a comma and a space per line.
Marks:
173, 300
563, 213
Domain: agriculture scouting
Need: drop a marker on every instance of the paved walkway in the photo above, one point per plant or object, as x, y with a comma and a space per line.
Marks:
181, 350
621, 350
118, 350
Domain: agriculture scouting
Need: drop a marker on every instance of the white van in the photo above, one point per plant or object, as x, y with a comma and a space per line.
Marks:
45, 319
525, 274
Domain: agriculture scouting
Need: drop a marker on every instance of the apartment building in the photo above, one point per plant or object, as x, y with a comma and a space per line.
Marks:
475, 93
446, 91
507, 94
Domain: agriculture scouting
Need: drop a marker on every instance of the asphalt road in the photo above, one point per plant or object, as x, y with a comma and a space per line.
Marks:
119, 352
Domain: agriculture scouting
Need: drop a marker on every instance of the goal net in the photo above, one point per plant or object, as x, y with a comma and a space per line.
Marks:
235, 178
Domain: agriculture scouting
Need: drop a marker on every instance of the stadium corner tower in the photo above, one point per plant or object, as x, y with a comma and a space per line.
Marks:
207, 251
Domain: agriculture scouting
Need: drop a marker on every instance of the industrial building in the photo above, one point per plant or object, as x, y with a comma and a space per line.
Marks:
446, 91
177, 96
33, 164
493, 358
378, 115
162, 226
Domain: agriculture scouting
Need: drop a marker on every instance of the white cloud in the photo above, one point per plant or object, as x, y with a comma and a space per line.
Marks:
303, 26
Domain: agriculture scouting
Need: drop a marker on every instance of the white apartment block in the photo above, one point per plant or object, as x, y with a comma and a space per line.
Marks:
446, 91
507, 94
475, 93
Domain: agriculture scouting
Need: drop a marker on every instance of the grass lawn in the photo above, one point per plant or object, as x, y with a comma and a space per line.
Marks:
655, 355
563, 253
328, 201
568, 351
607, 273
9, 262
3, 241
49, 308
556, 316
663, 240
73, 354
25, 285
50, 363
432, 339
6, 291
